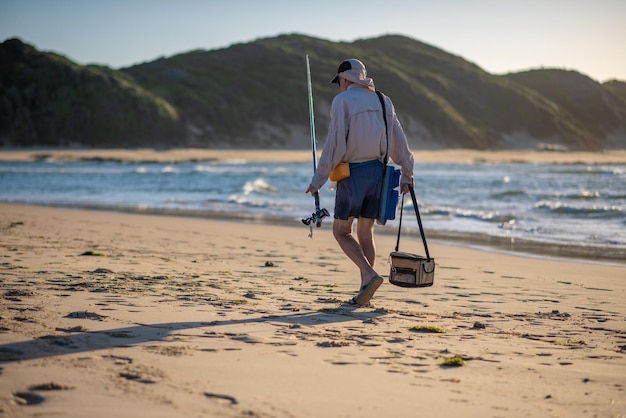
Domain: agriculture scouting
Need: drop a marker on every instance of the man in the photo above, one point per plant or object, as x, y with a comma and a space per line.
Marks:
357, 135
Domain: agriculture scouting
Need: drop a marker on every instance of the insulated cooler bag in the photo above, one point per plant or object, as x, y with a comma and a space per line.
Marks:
411, 270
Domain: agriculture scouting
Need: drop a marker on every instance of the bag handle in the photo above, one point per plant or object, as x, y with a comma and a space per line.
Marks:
419, 222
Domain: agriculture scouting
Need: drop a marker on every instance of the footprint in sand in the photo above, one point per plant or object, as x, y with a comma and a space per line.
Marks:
56, 340
119, 360
225, 398
49, 386
135, 377
85, 315
120, 334
78, 328
15, 295
28, 398
171, 351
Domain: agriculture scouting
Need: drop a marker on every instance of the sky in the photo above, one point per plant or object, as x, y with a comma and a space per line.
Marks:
500, 36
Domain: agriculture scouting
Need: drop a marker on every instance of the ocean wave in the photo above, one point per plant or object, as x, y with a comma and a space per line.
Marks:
508, 194
561, 208
584, 195
247, 202
491, 217
237, 169
479, 215
66, 169
595, 170
591, 195
169, 169
26, 170
225, 169
432, 211
258, 186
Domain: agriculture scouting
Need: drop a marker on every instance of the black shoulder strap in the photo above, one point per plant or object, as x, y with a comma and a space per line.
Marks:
419, 222
382, 102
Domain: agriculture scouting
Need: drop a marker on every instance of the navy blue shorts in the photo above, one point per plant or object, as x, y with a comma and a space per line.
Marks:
359, 194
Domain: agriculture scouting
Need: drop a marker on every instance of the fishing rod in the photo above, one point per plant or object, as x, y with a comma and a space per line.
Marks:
319, 214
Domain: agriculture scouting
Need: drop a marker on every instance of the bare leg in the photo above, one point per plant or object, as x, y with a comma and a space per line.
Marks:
362, 253
365, 233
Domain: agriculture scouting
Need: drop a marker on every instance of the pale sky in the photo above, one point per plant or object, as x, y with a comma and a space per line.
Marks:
500, 36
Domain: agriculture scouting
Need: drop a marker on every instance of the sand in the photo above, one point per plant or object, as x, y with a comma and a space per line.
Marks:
440, 156
129, 315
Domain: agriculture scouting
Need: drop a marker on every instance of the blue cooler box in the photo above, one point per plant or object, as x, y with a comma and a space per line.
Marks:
389, 195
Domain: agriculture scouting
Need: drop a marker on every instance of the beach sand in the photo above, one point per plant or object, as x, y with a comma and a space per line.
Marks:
462, 156
129, 315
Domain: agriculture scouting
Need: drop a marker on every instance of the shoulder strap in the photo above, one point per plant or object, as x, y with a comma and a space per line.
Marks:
419, 222
382, 102
400, 224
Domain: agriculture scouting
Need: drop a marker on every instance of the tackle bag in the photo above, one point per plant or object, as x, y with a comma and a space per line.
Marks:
340, 172
411, 270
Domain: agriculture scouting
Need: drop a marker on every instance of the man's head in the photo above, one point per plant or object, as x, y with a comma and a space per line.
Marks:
353, 70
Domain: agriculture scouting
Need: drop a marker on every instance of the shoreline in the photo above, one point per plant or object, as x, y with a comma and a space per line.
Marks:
452, 156
524, 246
507, 245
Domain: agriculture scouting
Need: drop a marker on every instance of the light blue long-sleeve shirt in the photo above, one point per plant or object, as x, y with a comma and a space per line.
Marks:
357, 133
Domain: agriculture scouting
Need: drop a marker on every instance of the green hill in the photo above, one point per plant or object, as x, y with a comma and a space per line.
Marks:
46, 99
254, 95
454, 101
597, 109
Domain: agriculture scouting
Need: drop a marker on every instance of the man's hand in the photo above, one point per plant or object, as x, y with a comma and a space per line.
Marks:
404, 187
313, 190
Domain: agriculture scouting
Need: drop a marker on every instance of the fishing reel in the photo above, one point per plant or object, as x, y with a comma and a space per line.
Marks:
316, 217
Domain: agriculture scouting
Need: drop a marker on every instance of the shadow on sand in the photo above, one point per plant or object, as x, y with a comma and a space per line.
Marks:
76, 340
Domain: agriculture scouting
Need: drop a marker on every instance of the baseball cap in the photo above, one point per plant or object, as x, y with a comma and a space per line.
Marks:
354, 70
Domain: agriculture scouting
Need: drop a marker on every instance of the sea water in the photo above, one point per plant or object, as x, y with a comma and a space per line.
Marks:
564, 205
